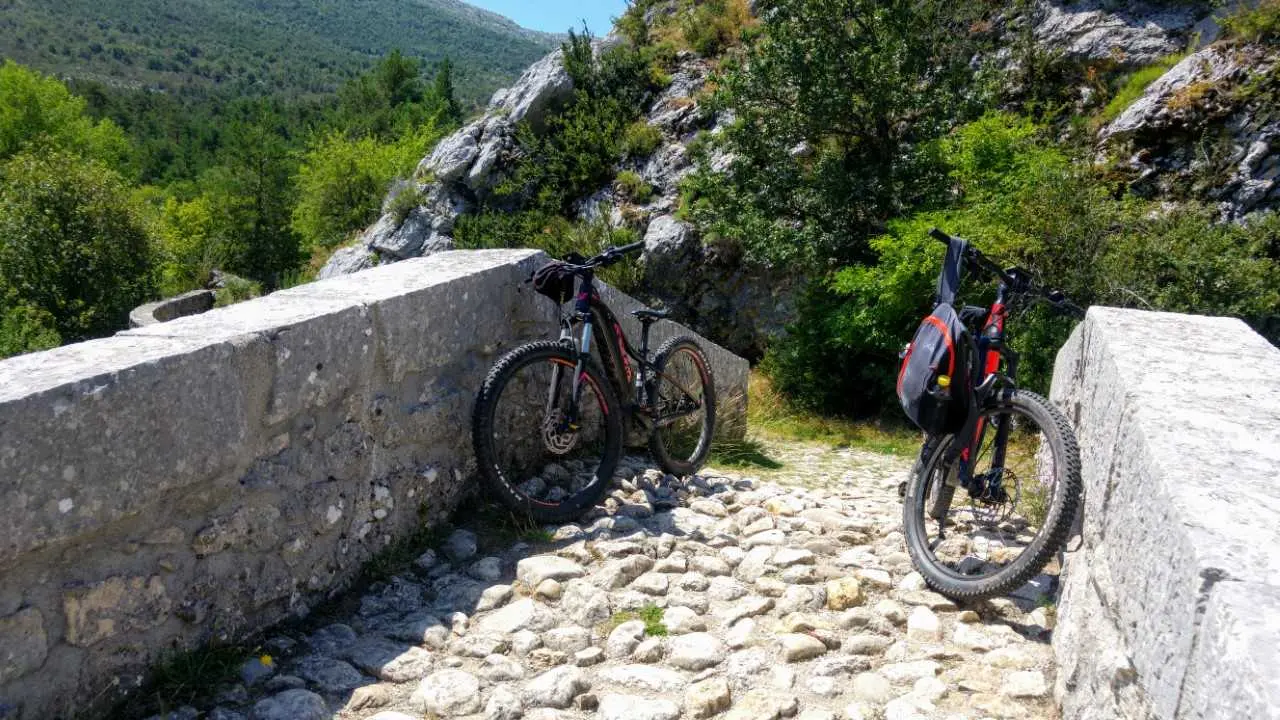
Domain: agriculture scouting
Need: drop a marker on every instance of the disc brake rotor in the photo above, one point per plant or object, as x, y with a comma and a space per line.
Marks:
556, 436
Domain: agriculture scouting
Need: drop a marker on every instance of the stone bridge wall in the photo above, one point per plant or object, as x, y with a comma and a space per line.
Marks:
201, 479
1171, 607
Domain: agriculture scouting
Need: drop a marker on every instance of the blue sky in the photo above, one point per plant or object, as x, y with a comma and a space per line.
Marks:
558, 15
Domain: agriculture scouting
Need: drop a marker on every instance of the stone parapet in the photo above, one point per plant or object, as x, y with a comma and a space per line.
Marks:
1169, 608
204, 478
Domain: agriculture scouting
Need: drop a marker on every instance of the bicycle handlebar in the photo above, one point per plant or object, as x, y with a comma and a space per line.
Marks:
1026, 284
604, 259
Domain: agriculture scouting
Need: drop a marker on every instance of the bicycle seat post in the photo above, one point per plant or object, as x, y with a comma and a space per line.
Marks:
647, 318
645, 324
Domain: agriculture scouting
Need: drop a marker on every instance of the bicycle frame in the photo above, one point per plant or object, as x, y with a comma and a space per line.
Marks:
617, 354
992, 353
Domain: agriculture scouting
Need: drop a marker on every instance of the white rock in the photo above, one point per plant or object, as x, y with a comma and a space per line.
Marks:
682, 620
650, 650
923, 625
532, 571
797, 647
523, 614
447, 692
555, 688
696, 651
629, 707
644, 677
871, 688
504, 704
624, 639
903, 672
1028, 684
708, 698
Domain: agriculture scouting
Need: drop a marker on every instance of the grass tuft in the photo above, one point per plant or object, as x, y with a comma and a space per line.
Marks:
651, 615
1135, 85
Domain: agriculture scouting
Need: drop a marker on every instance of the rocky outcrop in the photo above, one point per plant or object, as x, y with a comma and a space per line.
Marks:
462, 169
1196, 133
706, 288
1128, 33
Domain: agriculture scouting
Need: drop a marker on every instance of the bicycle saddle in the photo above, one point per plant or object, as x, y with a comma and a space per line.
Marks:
649, 315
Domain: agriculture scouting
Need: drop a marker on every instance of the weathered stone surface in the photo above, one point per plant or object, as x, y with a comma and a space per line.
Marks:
535, 570
1129, 643
545, 83
556, 688
453, 156
115, 605
1135, 33
23, 644
291, 705
1154, 111
447, 692
629, 707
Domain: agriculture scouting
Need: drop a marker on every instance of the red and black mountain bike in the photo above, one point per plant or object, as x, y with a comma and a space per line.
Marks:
549, 421
1012, 453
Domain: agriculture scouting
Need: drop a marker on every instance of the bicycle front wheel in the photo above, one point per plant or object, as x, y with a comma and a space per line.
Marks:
683, 399
1022, 498
540, 451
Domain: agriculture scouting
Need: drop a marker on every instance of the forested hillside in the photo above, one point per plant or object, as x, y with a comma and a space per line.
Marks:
294, 48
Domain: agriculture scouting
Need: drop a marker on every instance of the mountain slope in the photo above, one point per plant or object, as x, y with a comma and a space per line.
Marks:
296, 47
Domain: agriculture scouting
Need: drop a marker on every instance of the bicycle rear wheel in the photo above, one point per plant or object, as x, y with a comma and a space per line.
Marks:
684, 404
538, 451
1018, 513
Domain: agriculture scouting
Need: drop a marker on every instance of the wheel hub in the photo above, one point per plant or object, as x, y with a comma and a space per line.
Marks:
558, 436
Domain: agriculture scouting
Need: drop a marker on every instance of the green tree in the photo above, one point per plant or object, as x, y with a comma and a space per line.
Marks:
398, 78
39, 113
443, 93
836, 104
251, 195
74, 255
341, 181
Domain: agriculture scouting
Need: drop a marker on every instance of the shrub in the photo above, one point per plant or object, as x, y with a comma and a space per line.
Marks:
641, 140
552, 233
711, 26
38, 112
867, 85
576, 153
72, 246
25, 329
1255, 24
1023, 202
341, 182
235, 290
633, 187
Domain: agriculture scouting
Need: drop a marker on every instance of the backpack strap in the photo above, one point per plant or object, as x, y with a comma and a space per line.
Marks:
952, 271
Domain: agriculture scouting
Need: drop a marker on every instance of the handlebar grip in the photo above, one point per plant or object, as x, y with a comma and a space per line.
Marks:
940, 236
628, 249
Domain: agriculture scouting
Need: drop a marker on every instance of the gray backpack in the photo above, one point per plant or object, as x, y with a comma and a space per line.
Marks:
935, 382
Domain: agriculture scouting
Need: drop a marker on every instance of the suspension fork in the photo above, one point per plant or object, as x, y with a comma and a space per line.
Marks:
582, 308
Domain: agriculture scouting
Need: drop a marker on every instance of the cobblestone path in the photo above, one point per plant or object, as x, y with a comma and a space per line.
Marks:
737, 595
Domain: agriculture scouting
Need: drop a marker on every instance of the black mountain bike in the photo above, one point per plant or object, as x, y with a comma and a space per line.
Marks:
1015, 457
550, 419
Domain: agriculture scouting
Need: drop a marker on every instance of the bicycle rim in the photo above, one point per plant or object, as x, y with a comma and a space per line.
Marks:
546, 451
992, 535
681, 408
